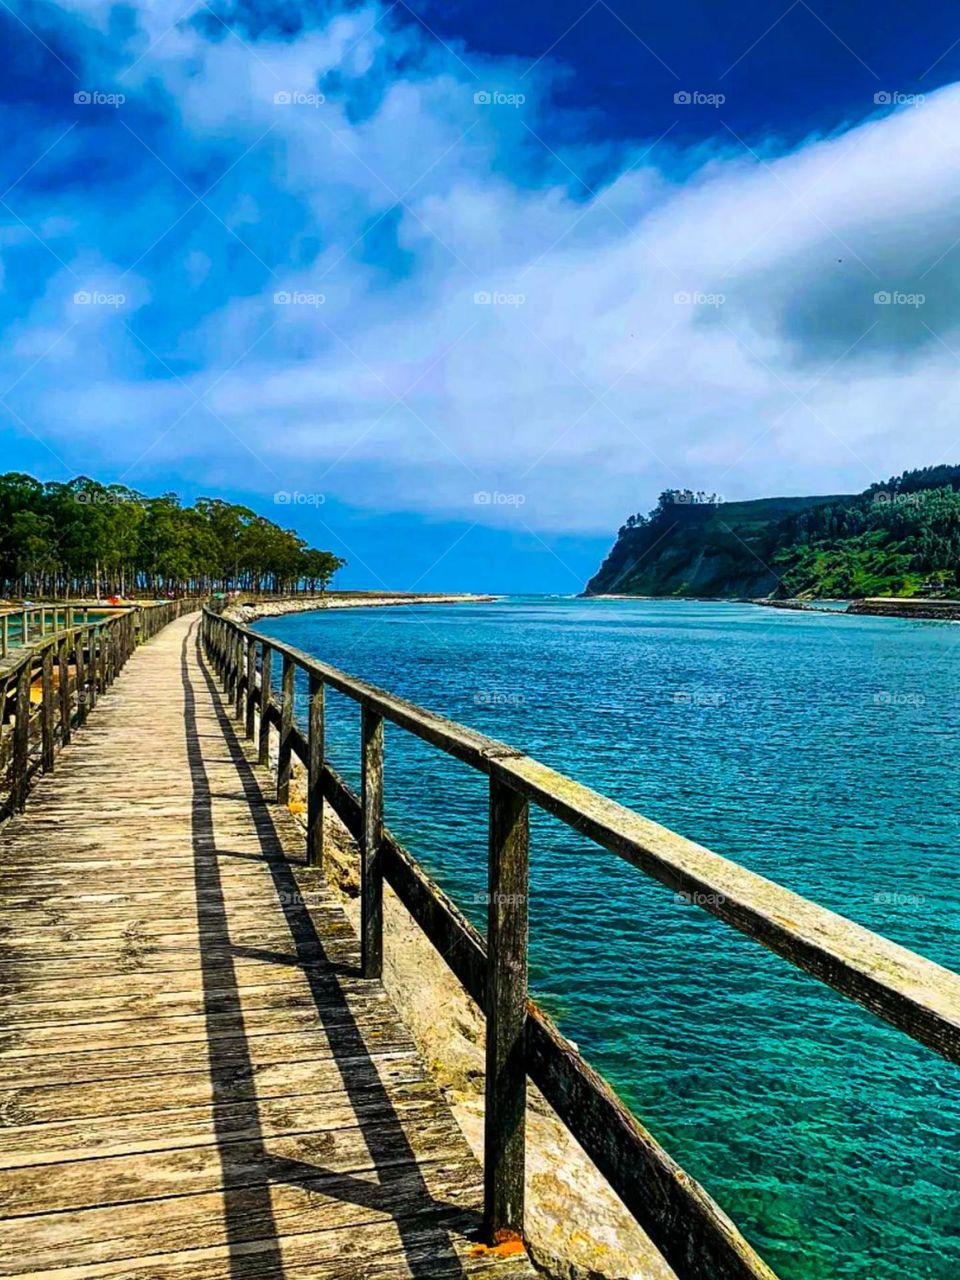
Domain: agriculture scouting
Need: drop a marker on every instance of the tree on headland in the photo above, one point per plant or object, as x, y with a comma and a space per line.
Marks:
88, 539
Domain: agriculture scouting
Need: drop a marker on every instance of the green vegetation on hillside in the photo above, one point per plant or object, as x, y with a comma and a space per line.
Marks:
85, 538
901, 537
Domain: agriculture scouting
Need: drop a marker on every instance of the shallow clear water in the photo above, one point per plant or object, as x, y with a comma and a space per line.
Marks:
818, 751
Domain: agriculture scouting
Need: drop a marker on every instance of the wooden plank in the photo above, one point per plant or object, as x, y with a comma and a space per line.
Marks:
179, 1128
50, 1036
328, 1211
429, 1132
52, 1065
158, 995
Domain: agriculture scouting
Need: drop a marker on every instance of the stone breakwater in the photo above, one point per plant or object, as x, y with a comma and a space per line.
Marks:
893, 607
250, 610
878, 607
801, 606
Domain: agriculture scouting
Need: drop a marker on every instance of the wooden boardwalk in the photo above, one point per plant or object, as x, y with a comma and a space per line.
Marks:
194, 1083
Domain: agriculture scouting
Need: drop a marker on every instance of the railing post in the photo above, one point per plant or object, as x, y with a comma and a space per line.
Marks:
315, 774
228, 664
234, 664
4, 635
251, 685
371, 857
228, 652
263, 751
92, 664
63, 679
47, 709
79, 638
506, 1078
102, 656
111, 651
286, 727
241, 677
21, 739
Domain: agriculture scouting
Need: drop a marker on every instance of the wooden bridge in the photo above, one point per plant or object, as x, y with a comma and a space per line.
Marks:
201, 1076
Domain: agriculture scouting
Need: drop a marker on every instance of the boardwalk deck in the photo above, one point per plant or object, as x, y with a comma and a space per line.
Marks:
194, 1082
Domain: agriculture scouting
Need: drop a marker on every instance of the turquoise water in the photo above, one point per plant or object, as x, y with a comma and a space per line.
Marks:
818, 751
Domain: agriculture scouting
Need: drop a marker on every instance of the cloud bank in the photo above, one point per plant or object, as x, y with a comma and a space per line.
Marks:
350, 260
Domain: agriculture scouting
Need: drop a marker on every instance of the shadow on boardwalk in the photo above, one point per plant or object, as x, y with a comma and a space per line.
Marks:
249, 1169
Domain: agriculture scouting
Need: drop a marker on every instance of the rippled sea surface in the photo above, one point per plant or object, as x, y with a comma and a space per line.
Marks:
819, 751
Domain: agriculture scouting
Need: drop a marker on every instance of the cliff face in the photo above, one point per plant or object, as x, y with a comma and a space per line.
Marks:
692, 546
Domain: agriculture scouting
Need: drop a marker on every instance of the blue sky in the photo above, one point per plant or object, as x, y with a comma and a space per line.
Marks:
453, 288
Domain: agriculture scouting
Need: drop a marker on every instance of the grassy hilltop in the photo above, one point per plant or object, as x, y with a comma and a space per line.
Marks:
899, 537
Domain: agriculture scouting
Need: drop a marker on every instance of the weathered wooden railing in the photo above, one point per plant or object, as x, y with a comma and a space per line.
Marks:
694, 1235
68, 670
21, 626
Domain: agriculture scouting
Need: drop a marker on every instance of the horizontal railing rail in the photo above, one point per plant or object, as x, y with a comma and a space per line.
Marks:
695, 1236
49, 685
24, 624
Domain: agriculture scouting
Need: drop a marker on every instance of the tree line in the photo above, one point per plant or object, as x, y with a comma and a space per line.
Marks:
88, 539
